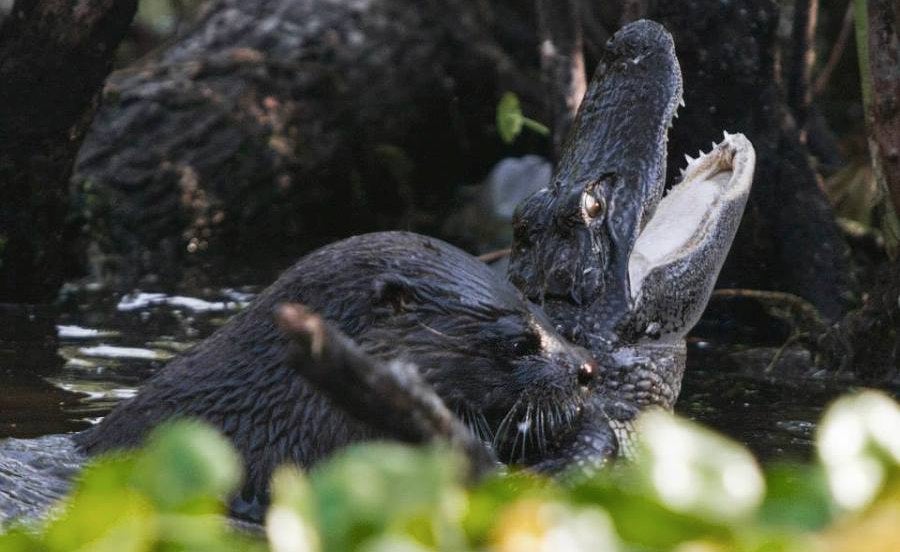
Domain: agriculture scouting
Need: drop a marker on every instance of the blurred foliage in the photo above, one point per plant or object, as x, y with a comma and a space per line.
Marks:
166, 16
688, 490
156, 22
511, 121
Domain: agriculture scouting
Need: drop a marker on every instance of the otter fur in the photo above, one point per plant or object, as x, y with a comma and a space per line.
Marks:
491, 356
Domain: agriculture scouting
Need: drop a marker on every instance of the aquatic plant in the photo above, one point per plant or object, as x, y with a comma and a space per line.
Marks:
687, 489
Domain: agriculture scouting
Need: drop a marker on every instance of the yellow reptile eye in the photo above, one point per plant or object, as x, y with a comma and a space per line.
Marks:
592, 205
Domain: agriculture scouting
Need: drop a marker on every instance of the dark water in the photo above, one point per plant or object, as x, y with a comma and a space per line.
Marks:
107, 346
110, 344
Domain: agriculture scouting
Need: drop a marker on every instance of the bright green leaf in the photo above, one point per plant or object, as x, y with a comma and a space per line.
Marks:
368, 490
797, 497
509, 117
187, 465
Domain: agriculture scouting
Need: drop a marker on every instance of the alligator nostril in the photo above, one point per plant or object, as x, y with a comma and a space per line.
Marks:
586, 372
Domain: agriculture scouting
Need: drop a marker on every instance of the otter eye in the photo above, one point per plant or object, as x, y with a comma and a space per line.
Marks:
525, 345
592, 205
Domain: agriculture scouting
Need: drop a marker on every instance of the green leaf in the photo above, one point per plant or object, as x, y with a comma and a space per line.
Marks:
639, 517
487, 501
509, 117
796, 497
187, 466
20, 540
378, 488
99, 520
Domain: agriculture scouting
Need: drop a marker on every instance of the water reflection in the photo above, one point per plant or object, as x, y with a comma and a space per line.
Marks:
95, 352
109, 344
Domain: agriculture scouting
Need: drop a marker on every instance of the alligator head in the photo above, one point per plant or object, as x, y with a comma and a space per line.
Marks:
621, 267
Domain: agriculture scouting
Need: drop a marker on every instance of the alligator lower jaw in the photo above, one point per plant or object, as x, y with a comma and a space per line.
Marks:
685, 219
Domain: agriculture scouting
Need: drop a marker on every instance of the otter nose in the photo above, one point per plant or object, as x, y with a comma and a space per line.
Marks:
587, 372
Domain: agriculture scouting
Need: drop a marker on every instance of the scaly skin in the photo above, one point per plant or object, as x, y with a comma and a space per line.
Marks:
591, 247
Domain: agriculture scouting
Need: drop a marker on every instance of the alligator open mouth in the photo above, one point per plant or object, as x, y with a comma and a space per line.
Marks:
679, 252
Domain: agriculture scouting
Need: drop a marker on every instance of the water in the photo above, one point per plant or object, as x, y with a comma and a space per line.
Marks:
110, 344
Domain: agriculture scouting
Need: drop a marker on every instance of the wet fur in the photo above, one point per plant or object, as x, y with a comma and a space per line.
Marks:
399, 295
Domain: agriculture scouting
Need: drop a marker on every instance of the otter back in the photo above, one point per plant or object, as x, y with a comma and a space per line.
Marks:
399, 295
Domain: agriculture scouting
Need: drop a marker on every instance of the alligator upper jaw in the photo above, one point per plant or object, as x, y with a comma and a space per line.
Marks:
572, 239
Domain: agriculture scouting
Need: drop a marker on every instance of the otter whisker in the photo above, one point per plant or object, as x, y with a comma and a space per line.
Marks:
483, 427
438, 332
526, 428
505, 425
541, 434
476, 422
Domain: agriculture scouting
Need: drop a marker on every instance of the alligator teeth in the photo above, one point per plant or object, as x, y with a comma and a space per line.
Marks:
681, 102
726, 134
688, 159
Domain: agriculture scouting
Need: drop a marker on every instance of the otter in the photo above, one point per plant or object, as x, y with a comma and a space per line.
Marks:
490, 355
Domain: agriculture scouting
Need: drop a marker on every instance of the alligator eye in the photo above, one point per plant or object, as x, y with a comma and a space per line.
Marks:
593, 206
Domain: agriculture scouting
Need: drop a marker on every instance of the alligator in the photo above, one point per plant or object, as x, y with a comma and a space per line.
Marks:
619, 266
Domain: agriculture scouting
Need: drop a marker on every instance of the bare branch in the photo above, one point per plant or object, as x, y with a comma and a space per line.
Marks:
391, 397
803, 54
562, 63
54, 57
632, 10
837, 51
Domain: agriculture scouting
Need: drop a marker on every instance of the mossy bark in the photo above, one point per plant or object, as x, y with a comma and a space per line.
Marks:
271, 127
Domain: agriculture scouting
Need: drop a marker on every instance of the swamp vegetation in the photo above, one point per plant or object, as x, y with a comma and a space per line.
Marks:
162, 160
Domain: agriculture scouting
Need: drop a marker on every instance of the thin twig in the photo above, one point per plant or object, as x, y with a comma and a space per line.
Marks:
837, 51
802, 58
800, 313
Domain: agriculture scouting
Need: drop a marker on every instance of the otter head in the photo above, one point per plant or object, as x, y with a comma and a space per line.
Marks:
492, 357
619, 268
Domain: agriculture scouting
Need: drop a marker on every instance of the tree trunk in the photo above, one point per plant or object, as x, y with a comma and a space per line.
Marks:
562, 64
866, 342
54, 56
788, 240
271, 127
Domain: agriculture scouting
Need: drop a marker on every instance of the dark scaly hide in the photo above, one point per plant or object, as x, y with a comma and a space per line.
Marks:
575, 242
